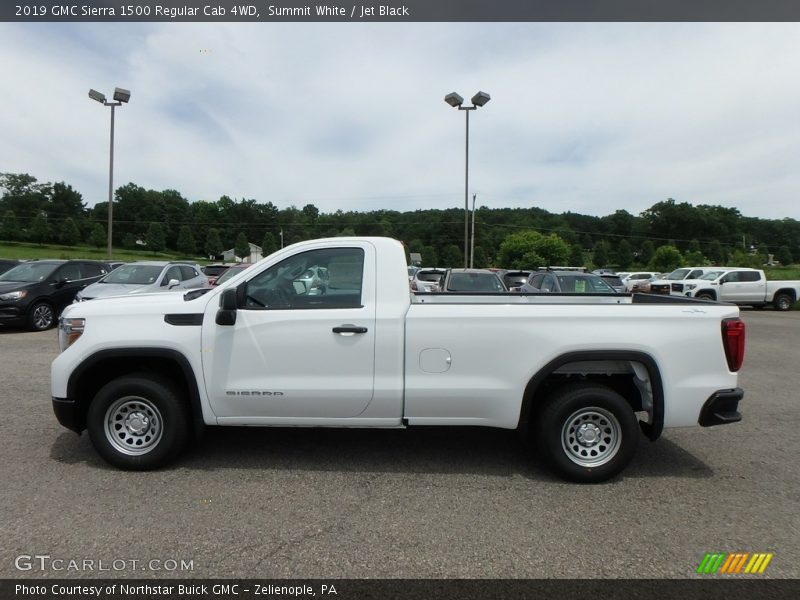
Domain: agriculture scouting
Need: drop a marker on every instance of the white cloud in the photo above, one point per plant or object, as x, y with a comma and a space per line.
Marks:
588, 118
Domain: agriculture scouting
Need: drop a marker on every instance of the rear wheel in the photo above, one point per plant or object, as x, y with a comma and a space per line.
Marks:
783, 302
41, 317
587, 433
138, 422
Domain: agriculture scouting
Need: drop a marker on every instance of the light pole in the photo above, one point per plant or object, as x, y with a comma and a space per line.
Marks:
457, 101
121, 97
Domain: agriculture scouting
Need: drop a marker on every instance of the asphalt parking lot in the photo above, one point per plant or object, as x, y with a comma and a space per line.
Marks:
424, 503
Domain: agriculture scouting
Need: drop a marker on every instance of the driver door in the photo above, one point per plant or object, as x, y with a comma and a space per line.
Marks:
295, 350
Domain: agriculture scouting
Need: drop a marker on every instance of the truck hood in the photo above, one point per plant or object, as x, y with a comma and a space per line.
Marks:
140, 304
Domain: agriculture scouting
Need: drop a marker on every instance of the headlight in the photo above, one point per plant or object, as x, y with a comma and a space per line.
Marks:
69, 330
690, 286
14, 295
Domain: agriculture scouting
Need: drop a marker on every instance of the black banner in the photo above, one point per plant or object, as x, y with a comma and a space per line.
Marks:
402, 589
399, 10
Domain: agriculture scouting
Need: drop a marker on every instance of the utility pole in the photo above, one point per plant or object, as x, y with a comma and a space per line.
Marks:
472, 245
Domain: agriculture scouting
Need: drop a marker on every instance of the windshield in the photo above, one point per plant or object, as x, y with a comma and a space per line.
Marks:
712, 275
576, 284
133, 274
232, 272
29, 272
678, 274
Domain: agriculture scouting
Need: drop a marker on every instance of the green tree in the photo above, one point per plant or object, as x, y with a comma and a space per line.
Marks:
242, 247
600, 255
186, 244
716, 254
429, 256
481, 259
213, 245
576, 257
666, 258
624, 255
129, 241
40, 230
9, 230
452, 256
648, 251
98, 236
155, 238
695, 258
70, 235
784, 256
531, 249
268, 244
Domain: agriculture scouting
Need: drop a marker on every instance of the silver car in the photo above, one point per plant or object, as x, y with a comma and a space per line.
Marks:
145, 276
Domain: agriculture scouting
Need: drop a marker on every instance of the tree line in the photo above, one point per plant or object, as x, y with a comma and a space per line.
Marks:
667, 234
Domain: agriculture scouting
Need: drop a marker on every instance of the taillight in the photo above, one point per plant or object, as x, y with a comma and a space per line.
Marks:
733, 341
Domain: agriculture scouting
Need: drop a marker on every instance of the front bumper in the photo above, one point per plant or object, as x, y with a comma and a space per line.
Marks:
721, 408
66, 411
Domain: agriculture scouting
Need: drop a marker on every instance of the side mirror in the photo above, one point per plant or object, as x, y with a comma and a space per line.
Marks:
173, 283
723, 280
226, 315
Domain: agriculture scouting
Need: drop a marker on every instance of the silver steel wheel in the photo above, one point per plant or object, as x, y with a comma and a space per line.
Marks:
133, 425
784, 302
591, 436
42, 316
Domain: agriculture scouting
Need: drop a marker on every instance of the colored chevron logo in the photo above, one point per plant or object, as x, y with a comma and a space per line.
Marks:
736, 563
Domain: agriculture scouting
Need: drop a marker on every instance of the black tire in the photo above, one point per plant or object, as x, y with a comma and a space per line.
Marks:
138, 422
783, 301
704, 296
605, 419
41, 316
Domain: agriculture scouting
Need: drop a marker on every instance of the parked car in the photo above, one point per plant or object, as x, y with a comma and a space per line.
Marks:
6, 264
472, 280
214, 271
230, 272
638, 281
744, 286
567, 282
146, 276
35, 292
615, 282
427, 280
673, 283
515, 279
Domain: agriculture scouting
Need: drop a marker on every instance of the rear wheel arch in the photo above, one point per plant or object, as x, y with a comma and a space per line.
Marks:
103, 367
571, 367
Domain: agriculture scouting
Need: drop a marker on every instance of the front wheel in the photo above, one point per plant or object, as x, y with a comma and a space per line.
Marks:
783, 302
138, 422
41, 317
704, 296
587, 433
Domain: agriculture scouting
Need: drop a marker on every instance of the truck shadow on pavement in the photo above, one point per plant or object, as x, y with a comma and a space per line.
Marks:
429, 450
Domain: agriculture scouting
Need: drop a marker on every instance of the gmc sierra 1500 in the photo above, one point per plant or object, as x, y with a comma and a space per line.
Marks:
266, 348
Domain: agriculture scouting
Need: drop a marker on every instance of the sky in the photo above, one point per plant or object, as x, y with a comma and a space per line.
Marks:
585, 117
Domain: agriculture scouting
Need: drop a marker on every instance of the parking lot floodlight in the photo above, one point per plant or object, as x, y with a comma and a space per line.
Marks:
454, 99
122, 95
481, 98
95, 95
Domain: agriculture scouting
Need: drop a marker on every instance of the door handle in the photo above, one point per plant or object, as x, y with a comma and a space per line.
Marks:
347, 328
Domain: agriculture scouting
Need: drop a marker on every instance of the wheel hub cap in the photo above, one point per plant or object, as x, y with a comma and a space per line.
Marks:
588, 434
137, 423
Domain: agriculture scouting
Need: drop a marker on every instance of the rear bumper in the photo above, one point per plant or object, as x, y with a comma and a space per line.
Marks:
66, 411
721, 408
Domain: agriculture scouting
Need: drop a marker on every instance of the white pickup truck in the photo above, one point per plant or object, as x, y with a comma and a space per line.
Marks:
146, 374
743, 286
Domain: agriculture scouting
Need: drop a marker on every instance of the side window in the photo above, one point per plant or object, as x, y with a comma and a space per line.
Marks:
69, 272
732, 277
536, 280
749, 276
318, 279
89, 270
548, 283
188, 272
174, 272
696, 274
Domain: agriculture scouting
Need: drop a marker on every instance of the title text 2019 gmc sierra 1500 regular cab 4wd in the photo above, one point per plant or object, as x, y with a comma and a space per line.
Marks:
143, 374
